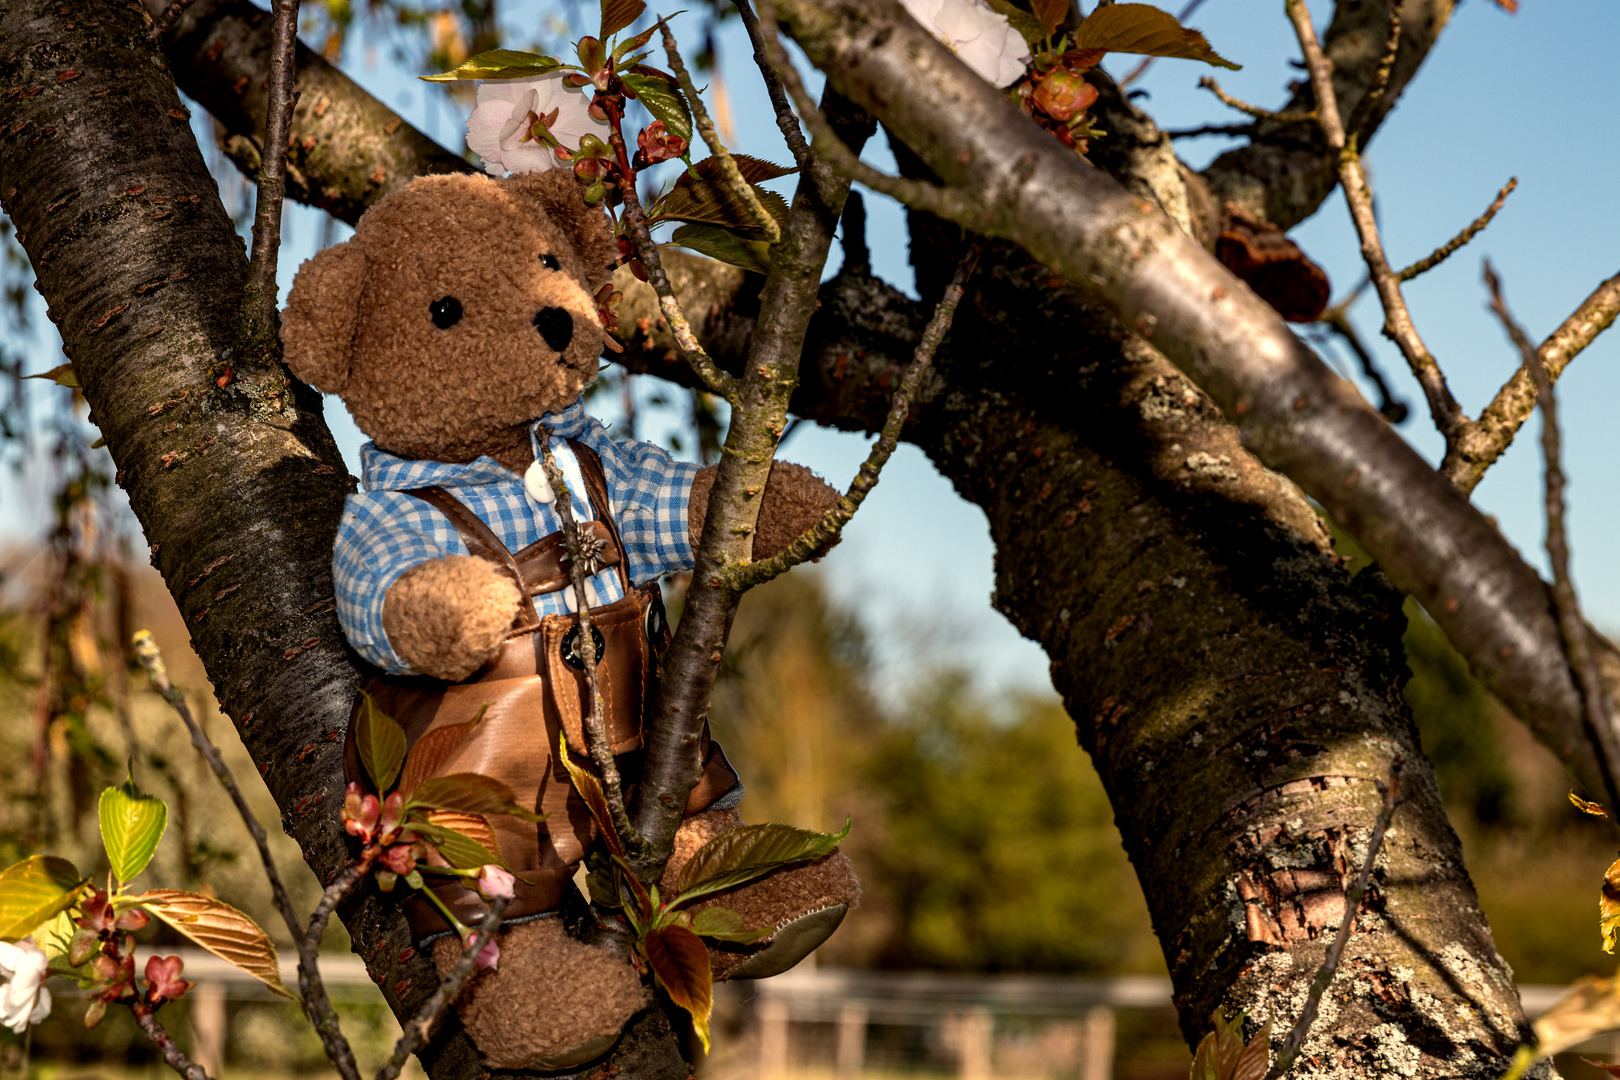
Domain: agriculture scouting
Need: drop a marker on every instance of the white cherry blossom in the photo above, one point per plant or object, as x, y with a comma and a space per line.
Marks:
499, 129
981, 38
23, 997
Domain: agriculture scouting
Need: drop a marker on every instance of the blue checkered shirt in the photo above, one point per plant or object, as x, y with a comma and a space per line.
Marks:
386, 532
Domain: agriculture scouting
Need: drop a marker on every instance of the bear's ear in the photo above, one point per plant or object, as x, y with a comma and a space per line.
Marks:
322, 315
561, 197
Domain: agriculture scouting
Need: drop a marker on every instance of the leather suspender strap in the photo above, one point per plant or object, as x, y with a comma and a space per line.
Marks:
478, 536
590, 467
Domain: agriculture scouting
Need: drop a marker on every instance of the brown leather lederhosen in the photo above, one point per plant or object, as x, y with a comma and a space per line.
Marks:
533, 694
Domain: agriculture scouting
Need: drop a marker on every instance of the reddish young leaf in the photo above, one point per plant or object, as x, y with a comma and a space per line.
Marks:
680, 962
590, 789
1612, 1070
1223, 1055
618, 14
1050, 12
471, 793
433, 750
754, 170
1145, 29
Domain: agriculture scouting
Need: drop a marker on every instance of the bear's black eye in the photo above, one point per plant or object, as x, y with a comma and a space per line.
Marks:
446, 312
550, 262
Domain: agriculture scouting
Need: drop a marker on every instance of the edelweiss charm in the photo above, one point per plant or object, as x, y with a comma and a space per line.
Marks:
591, 547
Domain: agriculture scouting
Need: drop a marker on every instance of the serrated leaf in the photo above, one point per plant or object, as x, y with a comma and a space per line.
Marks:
661, 97
1585, 807
680, 962
711, 202
33, 892
219, 928
724, 924
465, 840
1590, 1007
1223, 1055
590, 789
132, 823
754, 170
1148, 31
1027, 25
470, 793
1049, 13
499, 64
381, 742
61, 375
618, 14
433, 750
630, 45
728, 247
751, 852
1609, 906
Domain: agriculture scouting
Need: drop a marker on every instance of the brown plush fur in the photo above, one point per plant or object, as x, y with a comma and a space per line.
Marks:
358, 322
547, 994
447, 618
795, 499
772, 901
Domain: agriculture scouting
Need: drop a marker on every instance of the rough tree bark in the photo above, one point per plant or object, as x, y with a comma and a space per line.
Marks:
1135, 535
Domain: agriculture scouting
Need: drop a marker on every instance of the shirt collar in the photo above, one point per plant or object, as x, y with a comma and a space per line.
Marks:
382, 471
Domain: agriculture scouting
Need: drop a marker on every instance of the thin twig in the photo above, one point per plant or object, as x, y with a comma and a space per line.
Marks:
1466, 465
597, 742
152, 1028
171, 15
417, 1028
718, 381
261, 285
1207, 83
1391, 793
1450, 247
1212, 129
1577, 640
785, 119
1147, 61
347, 879
939, 201
310, 986
728, 164
833, 521
1448, 416
1381, 74
1389, 406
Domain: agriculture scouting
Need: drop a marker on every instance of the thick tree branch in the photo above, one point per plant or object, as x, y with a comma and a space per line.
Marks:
1295, 414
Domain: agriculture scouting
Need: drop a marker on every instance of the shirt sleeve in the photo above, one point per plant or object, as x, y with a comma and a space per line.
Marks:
650, 491
382, 535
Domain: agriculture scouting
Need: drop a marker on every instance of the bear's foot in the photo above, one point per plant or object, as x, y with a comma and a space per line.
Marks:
550, 1004
803, 904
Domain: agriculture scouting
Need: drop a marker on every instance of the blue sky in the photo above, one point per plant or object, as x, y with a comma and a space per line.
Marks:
1529, 95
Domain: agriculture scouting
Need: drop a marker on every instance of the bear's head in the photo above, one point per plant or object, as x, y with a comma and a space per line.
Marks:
461, 309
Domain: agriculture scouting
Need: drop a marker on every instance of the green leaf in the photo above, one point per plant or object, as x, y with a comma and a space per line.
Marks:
680, 962
32, 893
382, 744
1145, 29
751, 852
630, 45
499, 64
433, 750
590, 789
61, 375
1223, 1055
132, 823
711, 202
219, 928
723, 924
754, 170
618, 14
728, 247
459, 849
470, 793
662, 97
1027, 25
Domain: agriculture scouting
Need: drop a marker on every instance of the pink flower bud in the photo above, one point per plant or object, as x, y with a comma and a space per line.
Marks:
657, 143
132, 920
1064, 95
361, 818
495, 883
97, 912
163, 981
489, 956
400, 859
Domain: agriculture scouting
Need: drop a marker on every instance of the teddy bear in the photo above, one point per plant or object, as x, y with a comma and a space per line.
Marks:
459, 326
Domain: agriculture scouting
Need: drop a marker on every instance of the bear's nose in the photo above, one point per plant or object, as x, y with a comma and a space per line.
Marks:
556, 326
